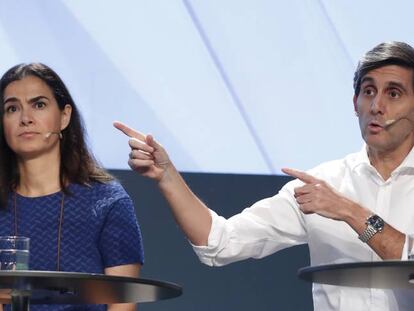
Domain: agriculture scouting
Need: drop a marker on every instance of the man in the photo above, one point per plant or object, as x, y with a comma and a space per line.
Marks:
355, 209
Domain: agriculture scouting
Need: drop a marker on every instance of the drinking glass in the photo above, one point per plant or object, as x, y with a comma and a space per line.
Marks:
14, 253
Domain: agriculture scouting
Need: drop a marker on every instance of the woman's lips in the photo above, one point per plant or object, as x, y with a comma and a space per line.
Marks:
28, 134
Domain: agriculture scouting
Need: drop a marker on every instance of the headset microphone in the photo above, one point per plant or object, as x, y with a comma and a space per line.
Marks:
47, 135
389, 123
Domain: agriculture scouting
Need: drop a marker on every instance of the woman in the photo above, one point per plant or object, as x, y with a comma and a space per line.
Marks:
53, 191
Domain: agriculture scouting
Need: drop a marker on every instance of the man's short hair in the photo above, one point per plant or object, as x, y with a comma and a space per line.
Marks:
387, 53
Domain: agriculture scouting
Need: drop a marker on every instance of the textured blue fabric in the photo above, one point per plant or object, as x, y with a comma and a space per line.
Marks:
99, 230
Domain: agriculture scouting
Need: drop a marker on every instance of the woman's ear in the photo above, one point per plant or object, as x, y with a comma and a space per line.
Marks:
65, 116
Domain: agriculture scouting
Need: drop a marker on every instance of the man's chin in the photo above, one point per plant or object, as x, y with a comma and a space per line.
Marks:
377, 144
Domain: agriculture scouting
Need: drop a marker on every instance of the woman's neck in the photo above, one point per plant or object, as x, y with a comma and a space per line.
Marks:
39, 176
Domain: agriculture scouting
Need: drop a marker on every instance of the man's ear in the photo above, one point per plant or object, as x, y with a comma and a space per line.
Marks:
355, 105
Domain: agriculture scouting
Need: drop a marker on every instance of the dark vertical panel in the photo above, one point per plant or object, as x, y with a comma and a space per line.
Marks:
266, 284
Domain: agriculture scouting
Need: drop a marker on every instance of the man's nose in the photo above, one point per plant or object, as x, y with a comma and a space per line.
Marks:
378, 104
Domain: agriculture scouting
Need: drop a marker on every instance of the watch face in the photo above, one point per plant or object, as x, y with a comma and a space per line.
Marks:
376, 222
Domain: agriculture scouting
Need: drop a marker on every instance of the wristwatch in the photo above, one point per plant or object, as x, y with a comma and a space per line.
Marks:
374, 224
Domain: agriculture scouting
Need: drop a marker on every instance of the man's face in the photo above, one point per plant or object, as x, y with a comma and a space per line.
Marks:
386, 94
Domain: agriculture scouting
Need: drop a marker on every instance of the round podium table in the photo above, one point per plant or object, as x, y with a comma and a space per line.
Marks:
374, 274
21, 288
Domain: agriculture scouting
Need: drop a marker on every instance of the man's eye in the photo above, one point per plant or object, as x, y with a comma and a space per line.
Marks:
369, 91
394, 94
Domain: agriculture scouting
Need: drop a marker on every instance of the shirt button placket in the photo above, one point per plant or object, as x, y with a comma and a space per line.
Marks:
378, 298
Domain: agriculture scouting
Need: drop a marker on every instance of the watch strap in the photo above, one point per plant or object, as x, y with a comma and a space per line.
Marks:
374, 224
368, 233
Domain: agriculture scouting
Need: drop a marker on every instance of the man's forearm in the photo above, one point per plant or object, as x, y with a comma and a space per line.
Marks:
191, 214
388, 243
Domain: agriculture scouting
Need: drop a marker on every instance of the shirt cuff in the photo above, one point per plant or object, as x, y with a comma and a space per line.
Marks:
208, 252
404, 254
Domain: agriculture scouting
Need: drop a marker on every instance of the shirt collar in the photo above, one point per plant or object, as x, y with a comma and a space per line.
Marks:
362, 160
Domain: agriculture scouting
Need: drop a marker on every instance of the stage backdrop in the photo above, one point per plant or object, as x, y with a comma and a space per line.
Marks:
233, 86
265, 284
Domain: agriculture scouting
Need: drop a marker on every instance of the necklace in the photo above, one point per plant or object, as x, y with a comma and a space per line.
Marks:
60, 220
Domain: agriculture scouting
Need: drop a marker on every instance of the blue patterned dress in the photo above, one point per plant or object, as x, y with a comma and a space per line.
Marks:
99, 230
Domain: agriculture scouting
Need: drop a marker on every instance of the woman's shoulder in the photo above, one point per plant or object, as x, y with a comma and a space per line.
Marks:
111, 190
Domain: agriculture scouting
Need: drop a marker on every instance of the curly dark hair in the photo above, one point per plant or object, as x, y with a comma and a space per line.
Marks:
77, 163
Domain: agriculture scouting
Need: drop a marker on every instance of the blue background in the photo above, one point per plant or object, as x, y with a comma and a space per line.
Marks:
234, 86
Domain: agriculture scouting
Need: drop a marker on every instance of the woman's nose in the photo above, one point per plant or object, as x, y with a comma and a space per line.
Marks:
26, 118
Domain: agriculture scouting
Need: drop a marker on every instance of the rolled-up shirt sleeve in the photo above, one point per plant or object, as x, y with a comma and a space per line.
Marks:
404, 254
267, 226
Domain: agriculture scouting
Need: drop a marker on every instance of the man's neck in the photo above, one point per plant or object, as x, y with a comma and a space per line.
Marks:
386, 162
39, 176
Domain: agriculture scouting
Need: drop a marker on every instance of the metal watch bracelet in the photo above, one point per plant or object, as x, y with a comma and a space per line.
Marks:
368, 233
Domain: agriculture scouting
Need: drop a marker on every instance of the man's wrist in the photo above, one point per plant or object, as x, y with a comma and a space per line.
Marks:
355, 214
374, 224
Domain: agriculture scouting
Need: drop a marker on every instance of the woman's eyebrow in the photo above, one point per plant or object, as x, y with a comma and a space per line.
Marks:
34, 99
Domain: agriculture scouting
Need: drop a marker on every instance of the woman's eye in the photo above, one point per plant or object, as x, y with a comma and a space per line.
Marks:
10, 109
39, 105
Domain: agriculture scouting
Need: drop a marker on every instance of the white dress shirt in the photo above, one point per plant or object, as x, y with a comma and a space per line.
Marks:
277, 222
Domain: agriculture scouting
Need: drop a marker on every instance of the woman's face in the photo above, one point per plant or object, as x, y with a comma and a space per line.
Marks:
31, 114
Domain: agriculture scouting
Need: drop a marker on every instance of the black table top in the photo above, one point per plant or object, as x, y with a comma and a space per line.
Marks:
374, 274
49, 287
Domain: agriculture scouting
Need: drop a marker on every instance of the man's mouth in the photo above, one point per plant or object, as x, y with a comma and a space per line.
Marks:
375, 127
